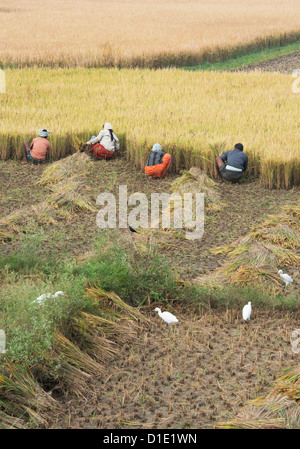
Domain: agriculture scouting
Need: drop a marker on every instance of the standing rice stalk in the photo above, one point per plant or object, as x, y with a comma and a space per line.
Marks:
211, 102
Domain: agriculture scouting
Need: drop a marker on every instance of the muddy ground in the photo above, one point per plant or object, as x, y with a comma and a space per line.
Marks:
193, 375
283, 64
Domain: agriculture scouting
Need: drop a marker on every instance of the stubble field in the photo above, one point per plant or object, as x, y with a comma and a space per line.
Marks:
197, 374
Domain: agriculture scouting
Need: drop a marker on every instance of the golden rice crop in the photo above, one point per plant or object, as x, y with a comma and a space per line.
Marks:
194, 116
139, 33
255, 258
195, 180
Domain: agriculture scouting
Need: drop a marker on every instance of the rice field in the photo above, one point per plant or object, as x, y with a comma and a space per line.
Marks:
72, 66
131, 33
75, 362
194, 116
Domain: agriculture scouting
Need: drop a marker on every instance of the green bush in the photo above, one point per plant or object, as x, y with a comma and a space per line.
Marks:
29, 326
134, 277
25, 275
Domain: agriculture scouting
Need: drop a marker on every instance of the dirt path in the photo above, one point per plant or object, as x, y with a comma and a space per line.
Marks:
283, 64
190, 376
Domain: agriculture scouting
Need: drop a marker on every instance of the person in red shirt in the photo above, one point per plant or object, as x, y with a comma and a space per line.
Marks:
38, 151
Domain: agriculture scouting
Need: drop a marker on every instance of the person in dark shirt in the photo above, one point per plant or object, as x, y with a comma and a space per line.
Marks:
232, 164
158, 163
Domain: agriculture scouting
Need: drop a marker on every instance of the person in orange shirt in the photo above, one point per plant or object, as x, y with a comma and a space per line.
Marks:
38, 151
158, 163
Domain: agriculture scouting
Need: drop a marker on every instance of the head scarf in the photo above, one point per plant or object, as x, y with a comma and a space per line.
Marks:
44, 133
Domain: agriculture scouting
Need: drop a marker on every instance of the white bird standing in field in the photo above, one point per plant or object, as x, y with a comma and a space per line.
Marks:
247, 311
285, 277
45, 296
168, 317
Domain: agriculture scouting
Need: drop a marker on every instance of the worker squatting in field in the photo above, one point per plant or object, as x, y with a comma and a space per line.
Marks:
158, 163
230, 165
38, 151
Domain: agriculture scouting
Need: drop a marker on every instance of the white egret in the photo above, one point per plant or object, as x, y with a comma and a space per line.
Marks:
247, 311
57, 294
45, 296
285, 277
168, 317
42, 298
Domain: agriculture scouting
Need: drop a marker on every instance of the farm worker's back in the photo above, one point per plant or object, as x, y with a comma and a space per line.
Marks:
158, 162
232, 164
40, 148
105, 144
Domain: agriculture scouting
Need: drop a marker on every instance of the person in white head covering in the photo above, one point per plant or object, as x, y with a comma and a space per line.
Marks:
38, 151
105, 144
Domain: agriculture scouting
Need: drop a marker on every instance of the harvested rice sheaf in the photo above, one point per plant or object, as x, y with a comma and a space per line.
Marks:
68, 194
74, 356
43, 213
256, 258
196, 181
5, 237
92, 341
114, 308
74, 165
22, 397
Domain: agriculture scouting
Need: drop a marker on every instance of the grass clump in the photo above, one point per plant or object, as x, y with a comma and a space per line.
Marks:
133, 275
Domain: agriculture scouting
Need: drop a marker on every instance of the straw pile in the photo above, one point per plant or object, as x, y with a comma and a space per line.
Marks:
92, 341
257, 257
196, 181
22, 397
68, 194
279, 409
83, 351
76, 165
